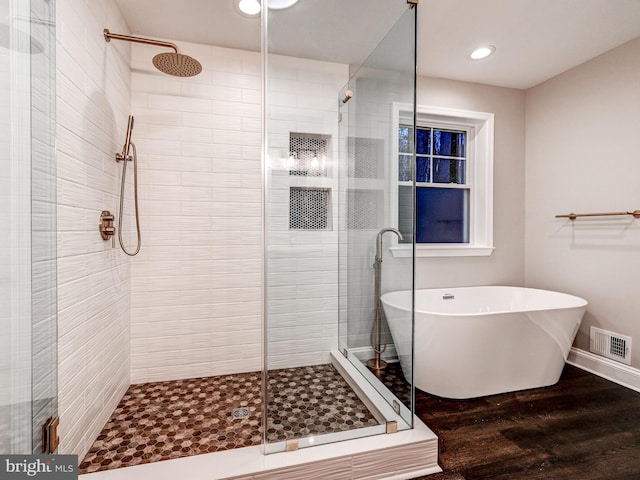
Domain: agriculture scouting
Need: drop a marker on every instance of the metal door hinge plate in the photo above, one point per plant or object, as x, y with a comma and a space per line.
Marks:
392, 427
50, 439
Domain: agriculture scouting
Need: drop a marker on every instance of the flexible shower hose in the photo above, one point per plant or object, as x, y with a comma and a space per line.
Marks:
135, 200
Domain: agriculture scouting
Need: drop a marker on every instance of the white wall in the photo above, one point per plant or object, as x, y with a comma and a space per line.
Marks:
582, 130
505, 266
93, 101
196, 284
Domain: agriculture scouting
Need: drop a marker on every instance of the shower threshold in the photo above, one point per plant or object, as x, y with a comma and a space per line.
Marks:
351, 455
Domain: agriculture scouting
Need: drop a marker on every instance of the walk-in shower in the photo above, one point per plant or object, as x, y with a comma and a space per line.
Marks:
256, 338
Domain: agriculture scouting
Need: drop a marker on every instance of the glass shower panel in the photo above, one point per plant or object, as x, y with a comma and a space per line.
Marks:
28, 369
379, 341
43, 223
313, 393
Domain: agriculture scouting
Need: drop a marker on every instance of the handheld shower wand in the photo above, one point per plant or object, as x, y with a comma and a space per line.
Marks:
127, 142
125, 158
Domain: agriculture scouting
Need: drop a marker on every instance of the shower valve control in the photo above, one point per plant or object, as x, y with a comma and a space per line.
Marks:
107, 229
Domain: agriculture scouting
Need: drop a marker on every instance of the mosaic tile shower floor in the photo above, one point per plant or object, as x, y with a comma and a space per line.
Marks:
393, 378
165, 420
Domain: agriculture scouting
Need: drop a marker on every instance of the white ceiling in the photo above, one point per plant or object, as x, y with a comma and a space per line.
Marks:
534, 39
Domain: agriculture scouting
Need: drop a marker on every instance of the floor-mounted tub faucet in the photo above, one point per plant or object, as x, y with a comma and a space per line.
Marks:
376, 363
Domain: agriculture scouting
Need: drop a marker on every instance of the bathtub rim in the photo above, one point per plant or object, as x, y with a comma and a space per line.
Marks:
578, 302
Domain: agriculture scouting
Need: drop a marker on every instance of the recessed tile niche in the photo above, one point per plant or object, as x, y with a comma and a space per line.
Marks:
309, 208
309, 205
308, 155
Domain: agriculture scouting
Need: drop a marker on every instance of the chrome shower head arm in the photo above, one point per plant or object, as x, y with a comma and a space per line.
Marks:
147, 41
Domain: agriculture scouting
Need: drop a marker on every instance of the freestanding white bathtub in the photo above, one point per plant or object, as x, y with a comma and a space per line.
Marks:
477, 341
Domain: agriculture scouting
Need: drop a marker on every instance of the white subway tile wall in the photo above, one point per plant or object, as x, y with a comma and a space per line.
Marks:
302, 271
93, 102
196, 287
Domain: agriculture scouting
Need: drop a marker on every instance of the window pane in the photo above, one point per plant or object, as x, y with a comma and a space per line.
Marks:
423, 173
449, 143
442, 215
424, 141
404, 139
405, 213
404, 168
448, 171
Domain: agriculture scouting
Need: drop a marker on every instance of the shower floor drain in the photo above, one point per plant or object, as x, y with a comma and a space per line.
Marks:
240, 413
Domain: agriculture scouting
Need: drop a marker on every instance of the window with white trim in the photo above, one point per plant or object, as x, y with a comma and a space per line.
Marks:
454, 181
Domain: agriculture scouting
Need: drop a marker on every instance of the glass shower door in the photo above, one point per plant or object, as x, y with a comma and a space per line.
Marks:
313, 394
376, 108
28, 317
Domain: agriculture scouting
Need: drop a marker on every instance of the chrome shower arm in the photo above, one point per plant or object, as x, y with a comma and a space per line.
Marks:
129, 38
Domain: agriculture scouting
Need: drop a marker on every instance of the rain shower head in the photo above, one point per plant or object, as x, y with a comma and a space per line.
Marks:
172, 63
177, 64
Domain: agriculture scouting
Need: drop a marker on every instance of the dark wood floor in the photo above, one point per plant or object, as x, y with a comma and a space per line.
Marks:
582, 428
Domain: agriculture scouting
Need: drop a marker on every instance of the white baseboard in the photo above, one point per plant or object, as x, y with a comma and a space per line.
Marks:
603, 367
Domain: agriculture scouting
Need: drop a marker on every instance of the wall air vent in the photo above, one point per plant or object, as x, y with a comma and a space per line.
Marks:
611, 345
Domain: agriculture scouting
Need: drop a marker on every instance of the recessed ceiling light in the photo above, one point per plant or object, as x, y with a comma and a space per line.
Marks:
281, 4
482, 52
251, 8
248, 7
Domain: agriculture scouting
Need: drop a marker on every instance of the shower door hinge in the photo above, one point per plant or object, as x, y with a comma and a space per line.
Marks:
291, 445
339, 117
412, 3
345, 353
50, 439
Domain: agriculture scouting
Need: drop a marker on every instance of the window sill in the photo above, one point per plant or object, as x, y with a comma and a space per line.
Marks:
401, 251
